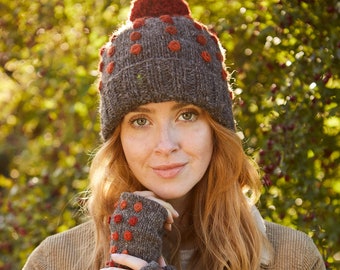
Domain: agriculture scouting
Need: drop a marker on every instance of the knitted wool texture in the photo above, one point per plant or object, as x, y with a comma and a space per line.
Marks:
137, 227
162, 54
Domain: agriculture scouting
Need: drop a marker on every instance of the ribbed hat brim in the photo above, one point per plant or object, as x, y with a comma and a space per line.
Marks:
141, 83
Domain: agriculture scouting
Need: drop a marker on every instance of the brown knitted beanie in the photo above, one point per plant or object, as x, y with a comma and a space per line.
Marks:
162, 54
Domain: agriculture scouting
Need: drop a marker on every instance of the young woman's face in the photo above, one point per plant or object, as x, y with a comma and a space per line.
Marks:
168, 146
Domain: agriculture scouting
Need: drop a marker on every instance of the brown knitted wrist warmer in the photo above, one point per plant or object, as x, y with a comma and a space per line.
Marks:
137, 226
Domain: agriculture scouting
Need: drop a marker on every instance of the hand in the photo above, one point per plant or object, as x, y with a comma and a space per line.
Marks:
132, 262
172, 213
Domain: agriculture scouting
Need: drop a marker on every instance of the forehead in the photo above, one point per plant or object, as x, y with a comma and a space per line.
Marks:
173, 105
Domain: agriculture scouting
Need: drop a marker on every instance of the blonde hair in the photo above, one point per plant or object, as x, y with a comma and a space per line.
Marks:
227, 236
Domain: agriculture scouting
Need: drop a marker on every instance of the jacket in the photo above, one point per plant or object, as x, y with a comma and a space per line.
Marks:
72, 249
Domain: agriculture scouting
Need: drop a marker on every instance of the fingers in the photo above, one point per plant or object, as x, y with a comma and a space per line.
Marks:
161, 262
132, 262
172, 213
127, 260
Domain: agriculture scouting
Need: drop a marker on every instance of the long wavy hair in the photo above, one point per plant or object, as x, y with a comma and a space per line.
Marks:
226, 234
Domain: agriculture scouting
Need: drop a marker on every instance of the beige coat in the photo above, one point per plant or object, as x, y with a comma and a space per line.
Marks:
72, 249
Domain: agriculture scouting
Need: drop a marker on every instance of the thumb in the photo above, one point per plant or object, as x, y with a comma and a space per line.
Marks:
161, 261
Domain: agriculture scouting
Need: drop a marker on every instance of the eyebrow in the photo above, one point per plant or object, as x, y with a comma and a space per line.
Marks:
142, 109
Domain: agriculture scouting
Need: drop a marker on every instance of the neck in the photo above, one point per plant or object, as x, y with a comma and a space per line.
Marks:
181, 204
184, 223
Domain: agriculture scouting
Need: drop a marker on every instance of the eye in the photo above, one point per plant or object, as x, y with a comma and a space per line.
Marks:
139, 122
190, 115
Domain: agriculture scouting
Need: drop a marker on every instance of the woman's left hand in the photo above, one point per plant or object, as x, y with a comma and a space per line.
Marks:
132, 262
172, 213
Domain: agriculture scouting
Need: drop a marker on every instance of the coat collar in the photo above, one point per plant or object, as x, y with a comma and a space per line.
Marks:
267, 254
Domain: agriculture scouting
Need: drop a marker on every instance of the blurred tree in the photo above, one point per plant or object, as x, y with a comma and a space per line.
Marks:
284, 65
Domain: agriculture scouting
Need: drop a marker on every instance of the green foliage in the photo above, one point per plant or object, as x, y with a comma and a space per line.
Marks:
284, 62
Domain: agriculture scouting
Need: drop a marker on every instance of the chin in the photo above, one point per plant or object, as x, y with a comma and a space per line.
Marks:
170, 195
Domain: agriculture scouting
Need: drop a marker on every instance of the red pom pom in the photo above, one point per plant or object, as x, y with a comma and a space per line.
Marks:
156, 8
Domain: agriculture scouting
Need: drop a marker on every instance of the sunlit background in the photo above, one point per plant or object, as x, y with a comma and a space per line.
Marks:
284, 67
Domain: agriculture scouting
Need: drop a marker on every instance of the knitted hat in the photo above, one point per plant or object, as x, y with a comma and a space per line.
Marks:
162, 54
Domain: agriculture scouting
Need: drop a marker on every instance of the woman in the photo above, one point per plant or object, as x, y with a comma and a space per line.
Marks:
171, 187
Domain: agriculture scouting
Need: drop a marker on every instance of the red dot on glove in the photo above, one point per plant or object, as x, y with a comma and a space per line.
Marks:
110, 263
127, 235
123, 204
118, 218
133, 221
138, 206
115, 236
113, 249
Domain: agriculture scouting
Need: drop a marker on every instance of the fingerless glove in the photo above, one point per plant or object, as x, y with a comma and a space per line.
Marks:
137, 227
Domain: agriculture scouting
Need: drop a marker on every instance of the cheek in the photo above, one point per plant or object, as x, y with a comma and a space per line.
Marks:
135, 150
200, 143
128, 144
204, 139
129, 148
206, 151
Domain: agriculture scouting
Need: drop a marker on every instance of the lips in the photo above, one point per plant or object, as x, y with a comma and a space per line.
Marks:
168, 171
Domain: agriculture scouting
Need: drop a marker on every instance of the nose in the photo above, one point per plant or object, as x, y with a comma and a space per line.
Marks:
167, 140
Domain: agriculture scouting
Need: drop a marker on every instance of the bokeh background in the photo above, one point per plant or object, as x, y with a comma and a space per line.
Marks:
284, 62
